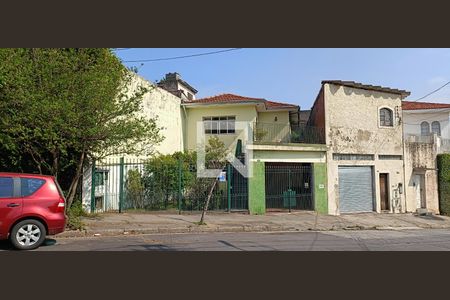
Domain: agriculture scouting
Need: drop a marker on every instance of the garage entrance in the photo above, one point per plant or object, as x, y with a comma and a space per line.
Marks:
355, 189
288, 186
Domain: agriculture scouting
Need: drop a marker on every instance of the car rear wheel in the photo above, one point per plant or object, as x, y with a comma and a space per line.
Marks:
28, 234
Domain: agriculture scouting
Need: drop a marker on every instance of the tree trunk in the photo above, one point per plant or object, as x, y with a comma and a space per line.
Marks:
55, 164
205, 208
75, 180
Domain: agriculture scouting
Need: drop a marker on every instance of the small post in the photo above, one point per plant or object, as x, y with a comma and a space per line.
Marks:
229, 186
289, 191
121, 175
93, 187
180, 173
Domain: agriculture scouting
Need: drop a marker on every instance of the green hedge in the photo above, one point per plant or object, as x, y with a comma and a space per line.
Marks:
443, 164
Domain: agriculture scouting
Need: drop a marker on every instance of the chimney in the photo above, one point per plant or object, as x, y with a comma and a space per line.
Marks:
173, 83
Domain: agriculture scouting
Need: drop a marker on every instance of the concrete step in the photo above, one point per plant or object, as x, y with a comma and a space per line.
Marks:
423, 212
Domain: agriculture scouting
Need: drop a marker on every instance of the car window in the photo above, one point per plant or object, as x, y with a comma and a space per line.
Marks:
6, 187
30, 185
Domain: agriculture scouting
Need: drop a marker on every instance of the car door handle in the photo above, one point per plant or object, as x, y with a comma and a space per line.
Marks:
13, 205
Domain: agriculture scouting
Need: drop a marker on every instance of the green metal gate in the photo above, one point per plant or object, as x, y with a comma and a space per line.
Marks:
289, 186
119, 184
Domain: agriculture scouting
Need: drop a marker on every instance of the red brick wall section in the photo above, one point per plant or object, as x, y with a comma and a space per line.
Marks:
317, 117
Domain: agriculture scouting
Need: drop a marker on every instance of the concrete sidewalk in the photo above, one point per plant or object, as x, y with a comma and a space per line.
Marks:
109, 224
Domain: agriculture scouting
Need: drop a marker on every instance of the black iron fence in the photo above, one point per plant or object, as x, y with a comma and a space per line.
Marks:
289, 186
287, 133
120, 185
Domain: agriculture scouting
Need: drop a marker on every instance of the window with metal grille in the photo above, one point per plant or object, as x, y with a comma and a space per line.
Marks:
436, 128
340, 156
219, 125
386, 117
424, 128
390, 157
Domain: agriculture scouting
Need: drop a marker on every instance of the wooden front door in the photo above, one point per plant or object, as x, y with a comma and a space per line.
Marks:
384, 192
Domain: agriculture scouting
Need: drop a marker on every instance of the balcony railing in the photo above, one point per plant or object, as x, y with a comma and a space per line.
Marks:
443, 145
287, 133
423, 139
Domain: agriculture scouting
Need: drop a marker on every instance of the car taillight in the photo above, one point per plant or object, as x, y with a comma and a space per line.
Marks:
61, 205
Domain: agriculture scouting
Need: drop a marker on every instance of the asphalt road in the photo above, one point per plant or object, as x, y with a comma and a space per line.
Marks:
354, 240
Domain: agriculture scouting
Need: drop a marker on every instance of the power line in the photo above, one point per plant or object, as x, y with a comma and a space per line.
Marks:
183, 56
120, 49
438, 89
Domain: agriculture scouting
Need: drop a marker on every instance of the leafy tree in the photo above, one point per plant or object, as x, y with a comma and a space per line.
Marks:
63, 107
161, 177
134, 189
215, 158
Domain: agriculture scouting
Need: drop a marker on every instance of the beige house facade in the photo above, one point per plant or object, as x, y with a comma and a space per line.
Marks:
364, 137
283, 155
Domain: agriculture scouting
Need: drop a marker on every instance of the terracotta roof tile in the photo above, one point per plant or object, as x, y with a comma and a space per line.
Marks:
232, 98
412, 105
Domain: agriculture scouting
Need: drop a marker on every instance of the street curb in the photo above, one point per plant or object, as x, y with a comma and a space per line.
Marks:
230, 229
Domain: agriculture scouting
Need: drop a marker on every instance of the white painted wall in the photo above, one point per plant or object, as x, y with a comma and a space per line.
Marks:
164, 106
413, 118
157, 103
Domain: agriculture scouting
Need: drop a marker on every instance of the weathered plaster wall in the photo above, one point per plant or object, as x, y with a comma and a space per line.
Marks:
164, 106
352, 127
420, 158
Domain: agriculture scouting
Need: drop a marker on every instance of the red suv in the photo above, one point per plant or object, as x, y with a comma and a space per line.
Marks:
31, 207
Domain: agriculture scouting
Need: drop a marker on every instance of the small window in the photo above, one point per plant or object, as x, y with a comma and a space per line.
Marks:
424, 128
386, 117
100, 177
6, 187
390, 157
436, 128
340, 156
30, 185
219, 125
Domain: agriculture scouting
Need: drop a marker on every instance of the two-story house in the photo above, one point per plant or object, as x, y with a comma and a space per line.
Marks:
286, 158
426, 128
363, 132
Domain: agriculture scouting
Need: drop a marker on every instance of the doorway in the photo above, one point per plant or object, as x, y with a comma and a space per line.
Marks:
289, 186
384, 192
419, 186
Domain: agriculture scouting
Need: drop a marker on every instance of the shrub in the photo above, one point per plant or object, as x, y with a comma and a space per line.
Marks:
74, 214
443, 164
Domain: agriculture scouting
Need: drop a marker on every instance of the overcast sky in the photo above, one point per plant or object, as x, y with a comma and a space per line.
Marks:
294, 75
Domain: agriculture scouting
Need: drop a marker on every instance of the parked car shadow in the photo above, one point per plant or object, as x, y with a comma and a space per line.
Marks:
6, 244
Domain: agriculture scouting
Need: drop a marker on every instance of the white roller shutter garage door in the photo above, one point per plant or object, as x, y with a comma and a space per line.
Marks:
355, 189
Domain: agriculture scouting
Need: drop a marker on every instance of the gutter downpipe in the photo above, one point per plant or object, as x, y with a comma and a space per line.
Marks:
183, 127
404, 157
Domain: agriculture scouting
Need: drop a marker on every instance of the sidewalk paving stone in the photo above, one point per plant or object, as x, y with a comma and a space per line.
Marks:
110, 224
